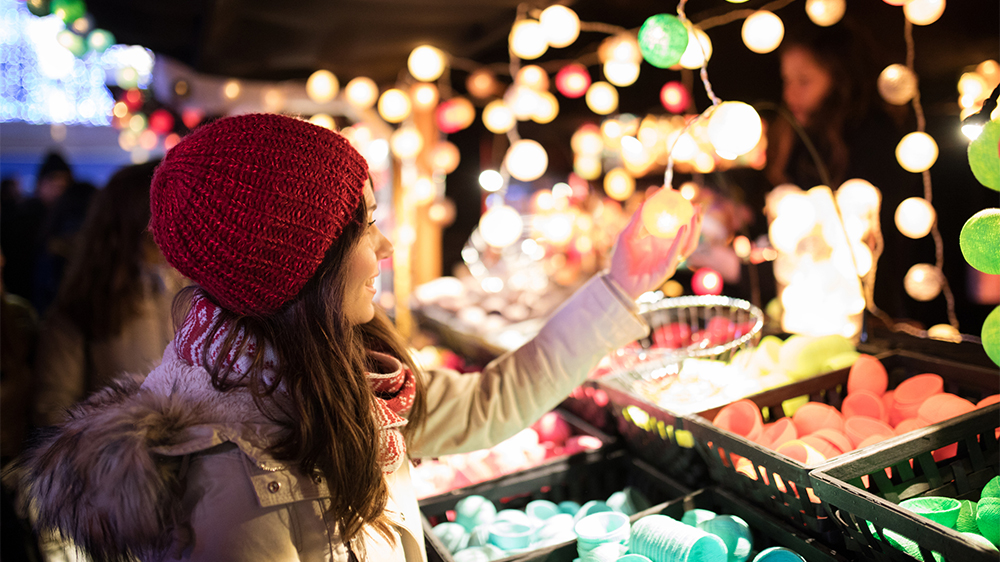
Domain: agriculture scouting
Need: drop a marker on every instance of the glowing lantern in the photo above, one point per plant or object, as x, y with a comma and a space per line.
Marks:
161, 121
618, 184
445, 157
587, 140
989, 69
623, 47
699, 48
858, 197
361, 92
665, 212
171, 141
323, 120
560, 25
394, 105
944, 332
406, 142
706, 281
917, 152
675, 97
662, 40
527, 39
498, 118
546, 109
231, 90
490, 180
980, 239
923, 282
897, 84
734, 128
825, 13
573, 80
915, 217
587, 166
426, 63
983, 156
424, 95
322, 86
501, 226
621, 73
455, 114
763, 31
532, 76
923, 12
972, 86
481, 83
602, 98
526, 160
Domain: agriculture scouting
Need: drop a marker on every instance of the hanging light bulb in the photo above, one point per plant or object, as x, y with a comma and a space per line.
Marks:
546, 109
917, 152
621, 73
706, 281
526, 160
622, 47
573, 80
602, 98
424, 95
587, 166
675, 97
426, 63
560, 25
361, 92
858, 197
665, 212
734, 128
527, 39
532, 76
322, 86
498, 118
923, 282
231, 90
587, 140
454, 115
323, 120
618, 184
923, 12
501, 226
445, 157
394, 105
825, 13
481, 83
406, 142
490, 180
763, 31
662, 40
914, 217
897, 84
699, 48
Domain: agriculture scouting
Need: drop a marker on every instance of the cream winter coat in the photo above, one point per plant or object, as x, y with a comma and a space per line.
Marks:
177, 470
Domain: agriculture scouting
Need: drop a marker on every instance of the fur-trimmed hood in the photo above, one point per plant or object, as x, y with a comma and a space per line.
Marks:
110, 476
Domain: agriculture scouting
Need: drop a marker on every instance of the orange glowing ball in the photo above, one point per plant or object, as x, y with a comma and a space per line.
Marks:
666, 212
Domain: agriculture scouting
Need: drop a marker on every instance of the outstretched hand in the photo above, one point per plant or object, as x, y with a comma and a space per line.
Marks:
641, 262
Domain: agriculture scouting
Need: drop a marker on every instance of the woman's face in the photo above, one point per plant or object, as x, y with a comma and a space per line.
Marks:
362, 267
806, 83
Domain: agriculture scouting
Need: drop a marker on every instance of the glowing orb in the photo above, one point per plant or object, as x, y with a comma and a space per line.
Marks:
527, 39
618, 184
454, 115
361, 92
923, 12
394, 105
532, 76
923, 282
706, 281
991, 335
915, 217
445, 157
662, 40
665, 212
984, 156
858, 197
917, 152
481, 83
897, 84
498, 118
322, 86
573, 80
763, 31
734, 128
560, 25
526, 160
675, 97
501, 226
323, 120
621, 73
825, 13
490, 180
602, 98
980, 241
406, 142
699, 49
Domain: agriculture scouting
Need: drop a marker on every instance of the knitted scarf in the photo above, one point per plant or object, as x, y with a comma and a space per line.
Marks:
394, 388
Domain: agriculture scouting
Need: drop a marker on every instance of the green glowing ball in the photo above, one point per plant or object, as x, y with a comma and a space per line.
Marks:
991, 335
984, 156
662, 40
980, 241
99, 40
68, 10
40, 8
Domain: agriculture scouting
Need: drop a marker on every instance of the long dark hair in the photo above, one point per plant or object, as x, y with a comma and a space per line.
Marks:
326, 403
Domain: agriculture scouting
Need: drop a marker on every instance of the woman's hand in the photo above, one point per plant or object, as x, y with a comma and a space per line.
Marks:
641, 262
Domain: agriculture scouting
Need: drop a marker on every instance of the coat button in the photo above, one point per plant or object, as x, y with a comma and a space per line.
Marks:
273, 487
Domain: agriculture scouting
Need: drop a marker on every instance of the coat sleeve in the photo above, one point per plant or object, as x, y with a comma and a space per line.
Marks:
60, 370
478, 410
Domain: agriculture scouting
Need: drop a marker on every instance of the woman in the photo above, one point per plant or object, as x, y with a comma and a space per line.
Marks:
113, 310
281, 420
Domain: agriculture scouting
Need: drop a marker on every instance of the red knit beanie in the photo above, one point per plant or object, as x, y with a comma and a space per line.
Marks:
247, 206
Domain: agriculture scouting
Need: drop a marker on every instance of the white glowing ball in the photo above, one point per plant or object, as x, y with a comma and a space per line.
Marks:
587, 166
699, 48
424, 190
322, 86
490, 180
394, 105
897, 84
915, 217
323, 120
858, 197
501, 226
734, 128
406, 142
923, 282
602, 98
587, 140
231, 90
546, 108
361, 92
618, 184
532, 76
426, 63
923, 12
825, 13
560, 25
763, 31
498, 118
527, 39
796, 218
557, 228
916, 152
526, 160
944, 332
445, 157
424, 95
621, 73
522, 101
863, 258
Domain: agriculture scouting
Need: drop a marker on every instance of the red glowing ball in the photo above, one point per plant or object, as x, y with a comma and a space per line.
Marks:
133, 99
161, 122
192, 117
573, 80
454, 115
706, 281
675, 97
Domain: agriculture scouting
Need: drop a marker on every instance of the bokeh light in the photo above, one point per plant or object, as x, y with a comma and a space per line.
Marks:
763, 31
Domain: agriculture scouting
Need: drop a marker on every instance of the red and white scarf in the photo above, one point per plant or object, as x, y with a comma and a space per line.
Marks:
394, 390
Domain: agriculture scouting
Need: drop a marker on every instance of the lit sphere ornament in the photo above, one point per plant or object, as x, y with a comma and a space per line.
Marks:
424, 190
424, 95
148, 140
546, 109
394, 105
622, 47
406, 142
426, 63
99, 40
490, 180
618, 184
68, 10
662, 40
498, 118
763, 31
825, 13
621, 73
984, 158
361, 92
602, 98
322, 86
980, 241
587, 140
442, 213
501, 226
706, 281
923, 12
944, 332
734, 128
161, 121
532, 76
915, 217
858, 197
445, 157
665, 212
454, 115
573, 80
923, 282
231, 90
699, 48
675, 97
897, 84
481, 84
526, 160
917, 152
991, 335
587, 166
560, 25
527, 39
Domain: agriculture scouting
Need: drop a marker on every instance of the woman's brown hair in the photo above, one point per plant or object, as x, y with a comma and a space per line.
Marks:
326, 403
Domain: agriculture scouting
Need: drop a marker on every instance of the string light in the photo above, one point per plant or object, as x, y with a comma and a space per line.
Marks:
602, 98
361, 92
426, 63
560, 25
917, 152
699, 48
532, 76
734, 128
621, 73
491, 180
573, 80
665, 212
662, 40
897, 84
394, 105
526, 160
923, 282
498, 118
406, 142
455, 114
322, 86
914, 217
501, 226
825, 13
527, 39
763, 31
481, 83
923, 12
618, 184
675, 97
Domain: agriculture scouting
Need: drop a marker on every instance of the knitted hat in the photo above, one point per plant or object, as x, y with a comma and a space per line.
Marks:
247, 206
